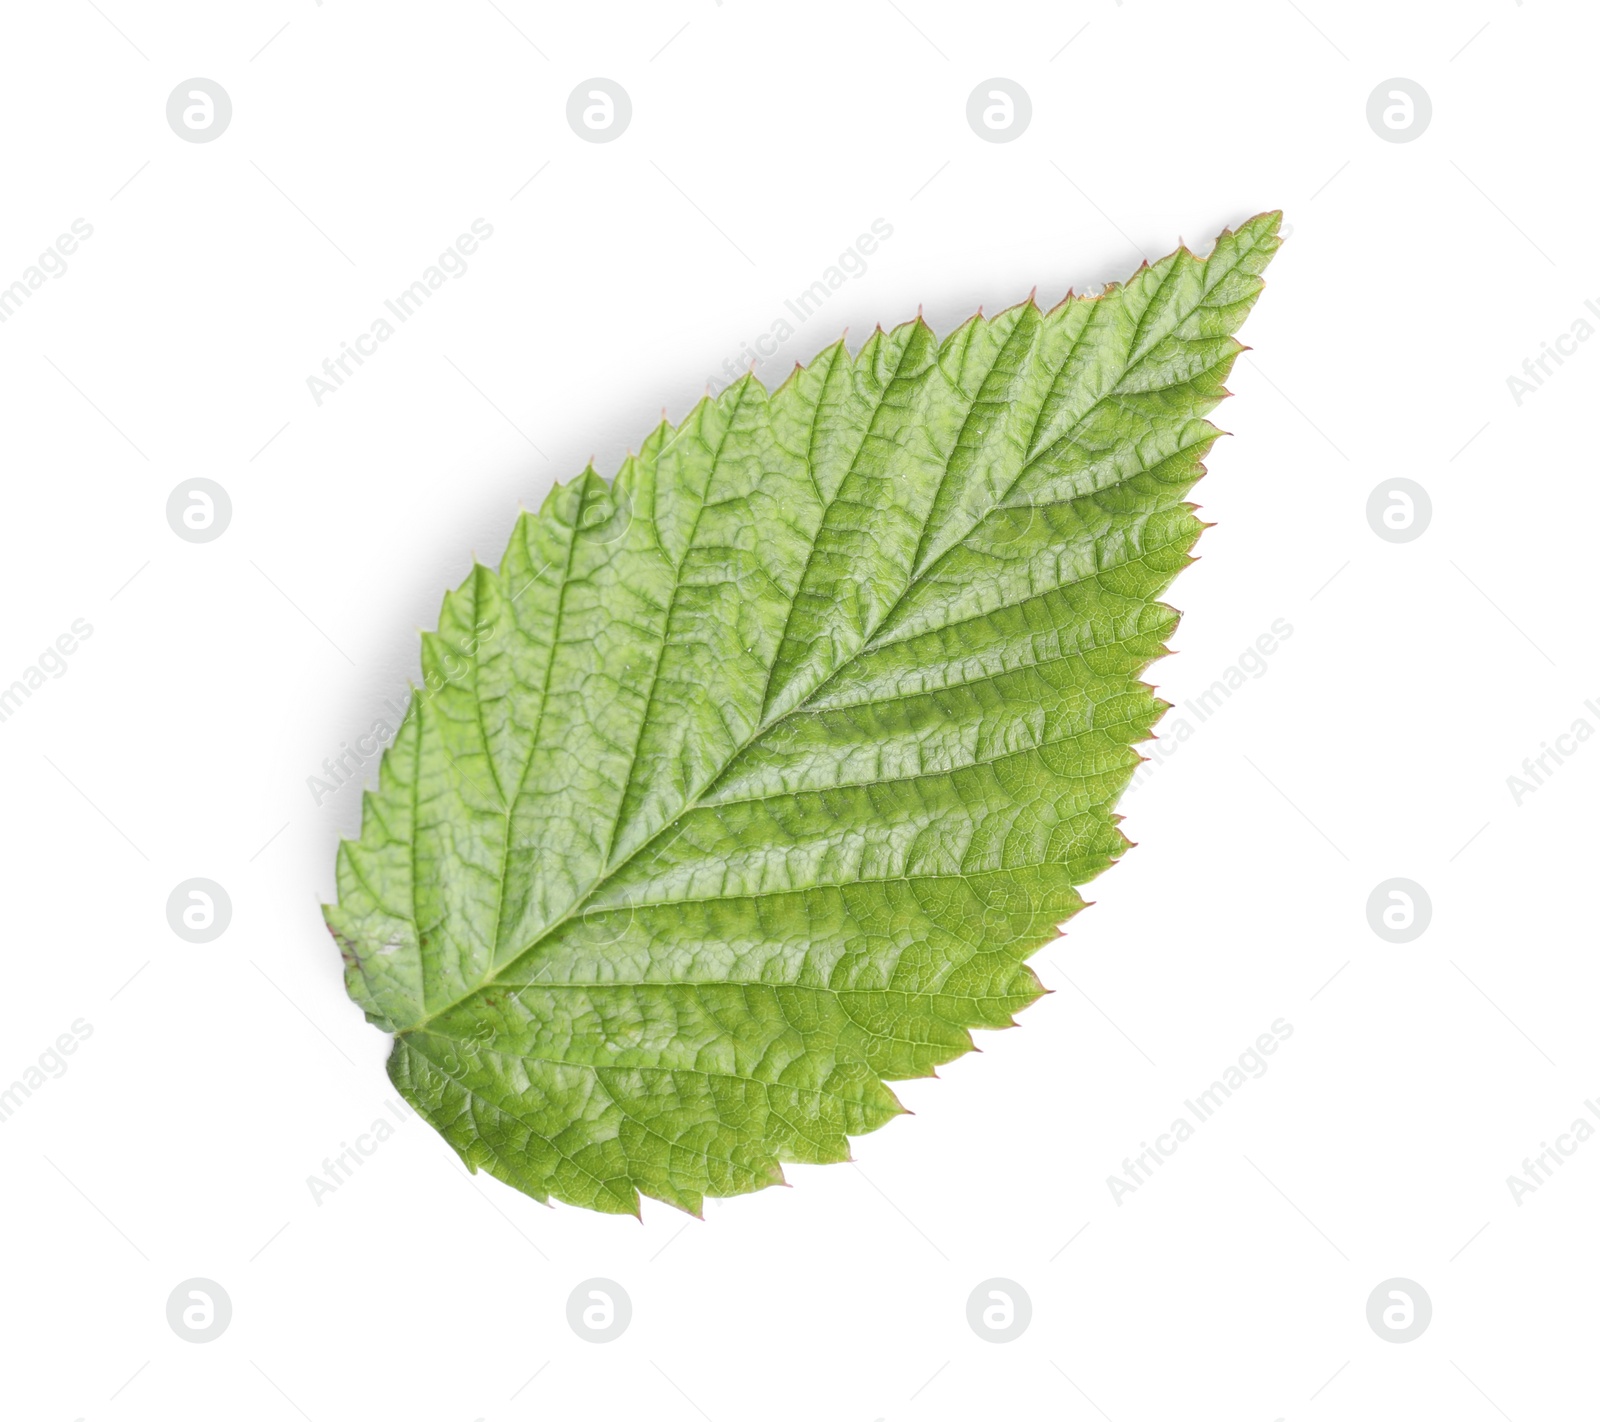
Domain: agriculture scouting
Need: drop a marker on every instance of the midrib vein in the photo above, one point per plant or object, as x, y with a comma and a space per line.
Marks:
696, 800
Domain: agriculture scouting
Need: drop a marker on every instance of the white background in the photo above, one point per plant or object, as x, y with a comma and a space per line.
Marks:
764, 139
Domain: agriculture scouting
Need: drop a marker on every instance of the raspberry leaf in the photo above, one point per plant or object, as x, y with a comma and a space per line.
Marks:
749, 781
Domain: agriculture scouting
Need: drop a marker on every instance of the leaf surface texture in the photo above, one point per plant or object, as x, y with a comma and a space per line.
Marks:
750, 780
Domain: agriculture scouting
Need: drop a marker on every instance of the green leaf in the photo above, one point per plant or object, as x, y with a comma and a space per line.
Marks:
749, 782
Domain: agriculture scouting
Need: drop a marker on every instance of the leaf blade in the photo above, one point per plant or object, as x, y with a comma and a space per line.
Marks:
748, 782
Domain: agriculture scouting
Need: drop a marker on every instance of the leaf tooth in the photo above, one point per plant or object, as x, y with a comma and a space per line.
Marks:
690, 1202
1067, 300
788, 380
